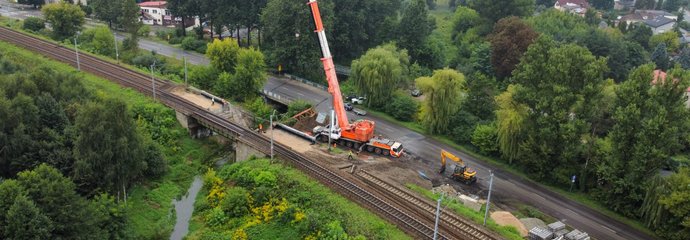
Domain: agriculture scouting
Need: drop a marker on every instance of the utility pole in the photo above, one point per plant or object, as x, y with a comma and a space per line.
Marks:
271, 127
153, 81
438, 215
488, 199
117, 53
185, 70
76, 51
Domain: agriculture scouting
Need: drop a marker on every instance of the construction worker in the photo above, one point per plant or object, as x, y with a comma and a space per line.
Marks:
349, 155
261, 127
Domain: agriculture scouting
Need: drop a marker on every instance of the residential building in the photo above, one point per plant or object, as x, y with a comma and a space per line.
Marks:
658, 21
157, 13
578, 7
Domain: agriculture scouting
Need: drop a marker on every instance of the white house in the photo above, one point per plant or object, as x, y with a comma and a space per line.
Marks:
578, 7
155, 13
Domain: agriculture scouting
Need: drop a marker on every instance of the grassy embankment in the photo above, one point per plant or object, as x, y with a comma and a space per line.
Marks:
150, 209
282, 203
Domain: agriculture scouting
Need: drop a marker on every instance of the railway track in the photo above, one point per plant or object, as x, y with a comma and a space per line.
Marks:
387, 205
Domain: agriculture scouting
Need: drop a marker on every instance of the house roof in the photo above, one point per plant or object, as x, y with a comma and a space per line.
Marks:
643, 15
153, 4
581, 3
658, 21
661, 75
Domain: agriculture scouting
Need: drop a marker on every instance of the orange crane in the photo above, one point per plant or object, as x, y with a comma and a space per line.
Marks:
359, 134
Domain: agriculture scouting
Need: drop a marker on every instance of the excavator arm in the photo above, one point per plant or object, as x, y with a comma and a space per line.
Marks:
445, 154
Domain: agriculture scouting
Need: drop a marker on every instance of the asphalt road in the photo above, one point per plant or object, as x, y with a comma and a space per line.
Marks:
506, 187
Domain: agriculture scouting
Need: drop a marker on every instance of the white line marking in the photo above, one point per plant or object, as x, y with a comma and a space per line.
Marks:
608, 228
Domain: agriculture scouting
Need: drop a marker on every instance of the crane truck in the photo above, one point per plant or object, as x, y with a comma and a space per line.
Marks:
461, 172
359, 134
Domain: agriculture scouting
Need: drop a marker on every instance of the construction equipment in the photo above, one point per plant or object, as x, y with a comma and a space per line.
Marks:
461, 172
359, 134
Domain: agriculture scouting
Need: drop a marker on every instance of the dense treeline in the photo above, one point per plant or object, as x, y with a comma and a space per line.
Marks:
68, 155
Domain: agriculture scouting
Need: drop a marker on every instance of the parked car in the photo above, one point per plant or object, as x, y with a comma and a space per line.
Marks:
358, 100
359, 111
348, 106
416, 93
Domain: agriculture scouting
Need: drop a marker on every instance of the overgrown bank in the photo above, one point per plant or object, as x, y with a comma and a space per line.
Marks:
255, 199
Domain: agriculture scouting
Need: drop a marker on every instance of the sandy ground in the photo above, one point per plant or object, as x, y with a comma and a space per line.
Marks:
197, 99
507, 219
290, 140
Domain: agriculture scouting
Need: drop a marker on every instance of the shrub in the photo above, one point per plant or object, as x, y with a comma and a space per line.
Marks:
144, 31
403, 107
146, 60
296, 107
193, 44
485, 138
203, 77
235, 203
34, 24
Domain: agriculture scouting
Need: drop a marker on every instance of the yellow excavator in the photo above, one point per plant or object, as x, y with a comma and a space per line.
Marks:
461, 172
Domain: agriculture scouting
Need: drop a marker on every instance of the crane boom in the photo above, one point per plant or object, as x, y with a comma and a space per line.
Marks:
329, 68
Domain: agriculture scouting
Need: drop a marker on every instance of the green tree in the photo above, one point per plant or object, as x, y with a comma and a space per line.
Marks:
443, 93
684, 58
184, 9
101, 41
250, 74
34, 24
485, 138
414, 29
495, 10
34, 3
129, 20
464, 19
673, 5
602, 4
110, 216
561, 85
676, 202
561, 26
223, 54
361, 25
25, 221
375, 73
509, 40
481, 90
480, 59
640, 33
107, 10
9, 190
108, 149
403, 107
55, 196
511, 116
289, 37
660, 57
647, 121
64, 18
669, 38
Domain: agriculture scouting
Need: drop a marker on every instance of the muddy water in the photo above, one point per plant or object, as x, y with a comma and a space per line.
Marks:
184, 209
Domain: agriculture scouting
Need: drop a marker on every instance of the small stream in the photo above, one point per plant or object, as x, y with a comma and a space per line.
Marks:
184, 209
